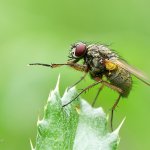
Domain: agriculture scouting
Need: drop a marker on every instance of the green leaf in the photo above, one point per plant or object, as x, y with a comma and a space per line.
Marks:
77, 126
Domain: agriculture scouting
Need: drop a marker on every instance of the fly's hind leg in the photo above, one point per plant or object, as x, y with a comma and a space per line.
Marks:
109, 85
112, 110
120, 91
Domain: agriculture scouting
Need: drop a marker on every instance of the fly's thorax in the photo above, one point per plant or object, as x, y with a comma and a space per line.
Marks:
94, 62
99, 50
95, 66
96, 56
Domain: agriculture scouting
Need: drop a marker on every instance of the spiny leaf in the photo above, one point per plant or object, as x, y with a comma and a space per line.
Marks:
77, 126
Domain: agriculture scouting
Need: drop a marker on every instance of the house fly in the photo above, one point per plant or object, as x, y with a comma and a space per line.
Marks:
100, 61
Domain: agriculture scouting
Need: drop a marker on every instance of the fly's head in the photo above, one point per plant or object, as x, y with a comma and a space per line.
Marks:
78, 51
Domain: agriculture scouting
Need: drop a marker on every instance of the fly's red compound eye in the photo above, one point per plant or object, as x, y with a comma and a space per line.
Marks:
79, 50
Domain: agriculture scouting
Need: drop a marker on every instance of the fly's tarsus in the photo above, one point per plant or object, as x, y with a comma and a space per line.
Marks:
40, 64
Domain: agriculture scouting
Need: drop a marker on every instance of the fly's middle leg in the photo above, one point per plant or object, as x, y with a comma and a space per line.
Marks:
85, 89
78, 81
99, 90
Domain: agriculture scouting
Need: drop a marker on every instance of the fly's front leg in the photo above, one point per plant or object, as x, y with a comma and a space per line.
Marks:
72, 64
48, 65
78, 67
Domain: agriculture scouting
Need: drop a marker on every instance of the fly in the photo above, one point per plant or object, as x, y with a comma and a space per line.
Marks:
100, 61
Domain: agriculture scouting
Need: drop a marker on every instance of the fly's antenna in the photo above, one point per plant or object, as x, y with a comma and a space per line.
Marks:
40, 64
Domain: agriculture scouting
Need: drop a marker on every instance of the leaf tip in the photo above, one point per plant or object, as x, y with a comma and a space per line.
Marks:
119, 127
57, 84
38, 120
69, 94
90, 111
55, 93
32, 148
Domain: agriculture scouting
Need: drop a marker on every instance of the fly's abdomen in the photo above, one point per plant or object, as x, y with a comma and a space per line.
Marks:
122, 79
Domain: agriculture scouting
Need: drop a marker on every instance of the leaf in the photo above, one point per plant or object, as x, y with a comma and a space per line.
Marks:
77, 126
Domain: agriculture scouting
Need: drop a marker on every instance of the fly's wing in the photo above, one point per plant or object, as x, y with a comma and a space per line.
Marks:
132, 70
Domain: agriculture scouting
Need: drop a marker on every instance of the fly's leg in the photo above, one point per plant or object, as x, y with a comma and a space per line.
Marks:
109, 85
113, 87
76, 66
85, 89
112, 111
78, 81
82, 68
120, 91
101, 87
48, 65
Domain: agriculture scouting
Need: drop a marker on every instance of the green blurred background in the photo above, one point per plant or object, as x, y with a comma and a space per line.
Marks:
42, 31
